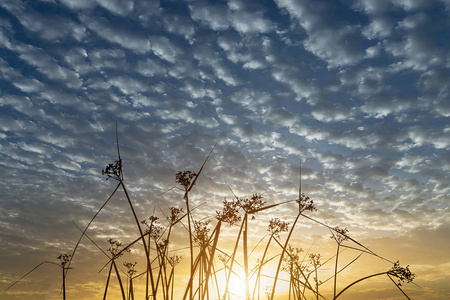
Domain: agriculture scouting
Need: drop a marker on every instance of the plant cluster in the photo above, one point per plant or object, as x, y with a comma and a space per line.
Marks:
208, 261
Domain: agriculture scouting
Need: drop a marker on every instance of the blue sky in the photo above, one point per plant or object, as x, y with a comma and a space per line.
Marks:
358, 90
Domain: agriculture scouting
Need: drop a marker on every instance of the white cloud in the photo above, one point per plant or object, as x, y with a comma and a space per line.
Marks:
48, 66
126, 38
417, 47
179, 24
316, 17
164, 48
235, 15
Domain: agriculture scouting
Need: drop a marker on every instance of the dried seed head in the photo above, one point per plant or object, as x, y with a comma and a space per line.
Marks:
230, 212
184, 178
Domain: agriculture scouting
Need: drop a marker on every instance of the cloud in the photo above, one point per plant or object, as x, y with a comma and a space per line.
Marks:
49, 26
44, 63
416, 46
237, 15
126, 38
179, 24
357, 91
114, 6
323, 32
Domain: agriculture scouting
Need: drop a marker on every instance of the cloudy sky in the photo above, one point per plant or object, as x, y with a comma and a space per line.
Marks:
356, 90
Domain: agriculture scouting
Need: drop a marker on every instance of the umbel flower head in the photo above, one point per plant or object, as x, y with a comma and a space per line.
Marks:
184, 178
305, 203
252, 205
64, 258
230, 212
402, 273
113, 170
276, 226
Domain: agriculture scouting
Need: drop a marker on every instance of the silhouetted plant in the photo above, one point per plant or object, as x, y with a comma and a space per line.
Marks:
130, 272
296, 270
116, 249
185, 178
64, 261
305, 204
113, 170
339, 235
252, 205
174, 215
401, 273
276, 226
315, 262
204, 236
229, 213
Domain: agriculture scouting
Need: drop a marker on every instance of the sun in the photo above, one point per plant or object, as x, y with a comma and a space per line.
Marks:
237, 287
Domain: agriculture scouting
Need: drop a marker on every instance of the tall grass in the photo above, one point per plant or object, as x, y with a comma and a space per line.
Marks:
211, 267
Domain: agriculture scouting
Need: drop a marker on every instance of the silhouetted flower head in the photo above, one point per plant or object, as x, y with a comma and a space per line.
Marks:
339, 234
276, 226
230, 212
184, 178
252, 205
201, 231
163, 245
130, 268
64, 258
113, 170
174, 260
174, 214
305, 203
115, 248
153, 227
292, 262
402, 273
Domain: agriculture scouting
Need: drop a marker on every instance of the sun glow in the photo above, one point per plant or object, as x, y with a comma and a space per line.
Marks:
237, 287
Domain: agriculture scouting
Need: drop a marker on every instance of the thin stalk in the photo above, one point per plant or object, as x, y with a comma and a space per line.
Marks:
213, 251
107, 282
281, 258
149, 270
246, 257
216, 281
335, 270
398, 286
232, 259
64, 282
171, 281
317, 283
186, 195
355, 282
191, 247
89, 224
120, 280
147, 254
257, 282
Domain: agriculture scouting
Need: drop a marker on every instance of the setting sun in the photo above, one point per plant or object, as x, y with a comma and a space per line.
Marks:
237, 288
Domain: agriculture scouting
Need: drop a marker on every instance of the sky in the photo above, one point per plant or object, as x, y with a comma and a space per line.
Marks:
358, 91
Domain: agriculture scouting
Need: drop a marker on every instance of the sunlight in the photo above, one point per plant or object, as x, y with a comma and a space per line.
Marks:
237, 287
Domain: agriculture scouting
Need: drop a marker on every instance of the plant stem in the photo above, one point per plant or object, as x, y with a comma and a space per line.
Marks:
281, 257
246, 256
359, 280
335, 269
